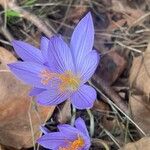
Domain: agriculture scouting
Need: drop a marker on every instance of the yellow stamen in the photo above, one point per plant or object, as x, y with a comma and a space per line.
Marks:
75, 145
68, 81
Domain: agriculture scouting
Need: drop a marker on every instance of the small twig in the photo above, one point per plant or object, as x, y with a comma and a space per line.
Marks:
112, 94
126, 131
5, 71
128, 47
139, 19
5, 42
27, 15
123, 108
31, 125
66, 13
59, 3
47, 117
91, 122
111, 136
5, 16
142, 30
5, 31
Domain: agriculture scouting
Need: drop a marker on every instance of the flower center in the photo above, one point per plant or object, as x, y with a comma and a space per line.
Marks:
75, 145
68, 81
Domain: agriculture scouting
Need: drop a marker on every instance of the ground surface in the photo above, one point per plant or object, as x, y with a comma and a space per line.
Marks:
122, 37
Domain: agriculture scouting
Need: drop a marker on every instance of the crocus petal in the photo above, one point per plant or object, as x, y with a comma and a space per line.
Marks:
80, 125
66, 134
84, 97
28, 52
82, 39
44, 47
52, 140
89, 65
69, 131
35, 91
51, 97
60, 55
73, 133
28, 72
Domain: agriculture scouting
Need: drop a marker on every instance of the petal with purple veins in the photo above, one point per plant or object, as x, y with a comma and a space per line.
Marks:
80, 125
59, 55
28, 52
35, 91
82, 39
51, 97
89, 65
28, 72
44, 47
53, 140
73, 133
69, 131
84, 97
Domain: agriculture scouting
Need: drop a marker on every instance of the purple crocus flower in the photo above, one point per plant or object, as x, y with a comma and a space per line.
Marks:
59, 72
67, 138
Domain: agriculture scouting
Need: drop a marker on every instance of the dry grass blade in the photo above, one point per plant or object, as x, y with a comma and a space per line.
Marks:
128, 47
31, 126
115, 107
111, 137
101, 143
31, 17
140, 90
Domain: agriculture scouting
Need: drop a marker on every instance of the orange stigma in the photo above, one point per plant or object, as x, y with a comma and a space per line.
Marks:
75, 145
68, 81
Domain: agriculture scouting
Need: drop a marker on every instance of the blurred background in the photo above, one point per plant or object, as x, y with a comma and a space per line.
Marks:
122, 38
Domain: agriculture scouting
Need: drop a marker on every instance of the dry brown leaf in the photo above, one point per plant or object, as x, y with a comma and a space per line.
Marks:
2, 148
143, 143
140, 73
139, 76
6, 57
140, 110
131, 15
17, 110
75, 14
101, 106
140, 90
111, 67
64, 112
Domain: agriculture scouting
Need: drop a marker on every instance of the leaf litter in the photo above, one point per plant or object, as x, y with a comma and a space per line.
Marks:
122, 37
19, 113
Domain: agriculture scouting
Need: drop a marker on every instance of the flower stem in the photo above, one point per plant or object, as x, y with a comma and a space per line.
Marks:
91, 122
73, 115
